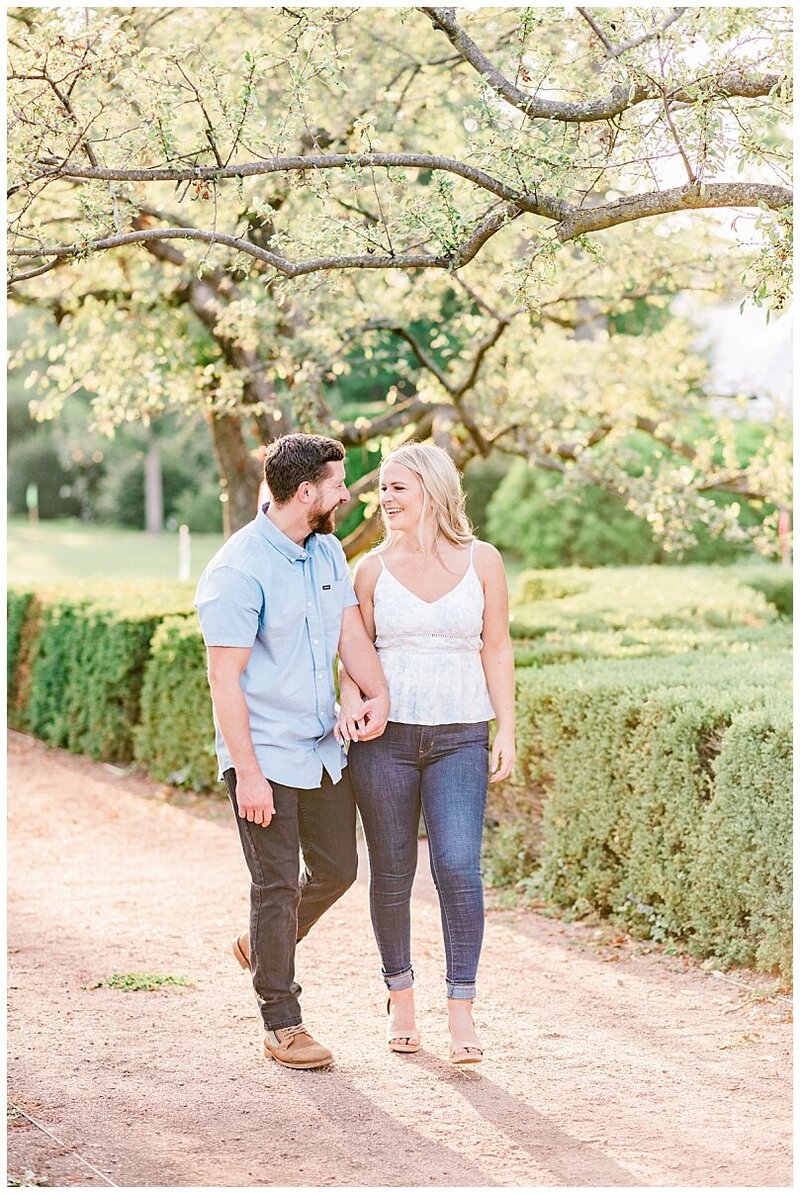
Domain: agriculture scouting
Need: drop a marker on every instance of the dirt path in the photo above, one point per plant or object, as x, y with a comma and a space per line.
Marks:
605, 1067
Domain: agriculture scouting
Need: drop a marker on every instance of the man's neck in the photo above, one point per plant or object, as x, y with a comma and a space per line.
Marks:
290, 520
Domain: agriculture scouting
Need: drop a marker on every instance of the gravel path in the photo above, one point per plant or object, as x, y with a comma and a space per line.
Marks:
605, 1066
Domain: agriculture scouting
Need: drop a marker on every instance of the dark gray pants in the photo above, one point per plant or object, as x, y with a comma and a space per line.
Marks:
285, 903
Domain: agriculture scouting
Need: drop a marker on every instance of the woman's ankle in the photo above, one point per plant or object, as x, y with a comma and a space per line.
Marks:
406, 995
459, 1018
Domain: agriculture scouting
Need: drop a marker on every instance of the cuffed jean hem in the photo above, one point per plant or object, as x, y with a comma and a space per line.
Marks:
399, 982
461, 990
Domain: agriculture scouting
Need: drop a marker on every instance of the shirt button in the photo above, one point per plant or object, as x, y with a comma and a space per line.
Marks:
316, 642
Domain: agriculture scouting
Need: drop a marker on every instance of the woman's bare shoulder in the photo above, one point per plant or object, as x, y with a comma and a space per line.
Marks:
366, 574
487, 559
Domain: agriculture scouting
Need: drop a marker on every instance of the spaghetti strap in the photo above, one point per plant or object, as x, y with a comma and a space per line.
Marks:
472, 549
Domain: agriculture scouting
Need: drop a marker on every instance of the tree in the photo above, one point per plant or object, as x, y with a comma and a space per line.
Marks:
306, 163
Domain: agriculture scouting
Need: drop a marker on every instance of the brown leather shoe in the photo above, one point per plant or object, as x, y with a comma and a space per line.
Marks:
295, 1048
241, 950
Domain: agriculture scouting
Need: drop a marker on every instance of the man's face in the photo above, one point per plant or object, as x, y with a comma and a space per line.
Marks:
331, 493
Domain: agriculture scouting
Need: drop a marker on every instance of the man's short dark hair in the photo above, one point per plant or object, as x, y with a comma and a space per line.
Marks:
295, 458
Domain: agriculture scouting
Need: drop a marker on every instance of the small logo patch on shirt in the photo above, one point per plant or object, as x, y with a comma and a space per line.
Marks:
326, 586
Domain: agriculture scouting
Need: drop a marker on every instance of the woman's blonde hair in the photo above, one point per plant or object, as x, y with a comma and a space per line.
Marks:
441, 492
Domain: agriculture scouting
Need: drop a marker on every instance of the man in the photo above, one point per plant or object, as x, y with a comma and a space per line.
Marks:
275, 604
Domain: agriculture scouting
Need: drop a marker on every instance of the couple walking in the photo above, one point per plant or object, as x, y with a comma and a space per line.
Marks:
425, 662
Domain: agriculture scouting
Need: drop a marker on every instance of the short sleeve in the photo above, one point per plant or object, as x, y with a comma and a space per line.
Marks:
229, 604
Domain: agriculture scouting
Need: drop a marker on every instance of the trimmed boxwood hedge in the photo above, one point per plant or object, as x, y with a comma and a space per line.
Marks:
85, 652
774, 583
741, 875
579, 614
175, 737
17, 604
622, 770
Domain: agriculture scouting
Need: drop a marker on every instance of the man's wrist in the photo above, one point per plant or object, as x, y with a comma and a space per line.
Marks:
247, 769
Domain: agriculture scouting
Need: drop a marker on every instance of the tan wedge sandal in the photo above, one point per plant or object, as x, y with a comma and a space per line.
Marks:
465, 1054
403, 1044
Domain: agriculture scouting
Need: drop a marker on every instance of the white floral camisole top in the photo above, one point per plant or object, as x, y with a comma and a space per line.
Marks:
430, 651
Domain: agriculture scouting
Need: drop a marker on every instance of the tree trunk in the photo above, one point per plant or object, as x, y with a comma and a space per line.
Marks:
153, 489
239, 472
365, 536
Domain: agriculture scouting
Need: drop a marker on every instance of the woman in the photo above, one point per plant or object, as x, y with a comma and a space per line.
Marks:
435, 599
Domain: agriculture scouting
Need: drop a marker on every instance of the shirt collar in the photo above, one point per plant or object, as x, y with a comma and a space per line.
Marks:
282, 543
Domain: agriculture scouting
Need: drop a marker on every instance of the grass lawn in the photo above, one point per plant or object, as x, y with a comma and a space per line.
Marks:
65, 550
61, 550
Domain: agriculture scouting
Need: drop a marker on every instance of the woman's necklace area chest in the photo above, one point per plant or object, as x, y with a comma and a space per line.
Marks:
427, 581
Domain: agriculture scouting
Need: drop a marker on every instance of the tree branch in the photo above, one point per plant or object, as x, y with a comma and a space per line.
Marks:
361, 430
56, 167
614, 51
618, 100
656, 203
572, 222
281, 264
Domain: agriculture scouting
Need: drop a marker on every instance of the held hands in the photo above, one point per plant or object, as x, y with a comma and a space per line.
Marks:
254, 798
360, 720
503, 755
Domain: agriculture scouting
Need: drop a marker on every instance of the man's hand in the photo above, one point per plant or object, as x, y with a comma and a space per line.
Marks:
254, 798
360, 720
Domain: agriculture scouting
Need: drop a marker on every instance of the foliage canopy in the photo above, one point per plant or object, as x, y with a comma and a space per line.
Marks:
215, 205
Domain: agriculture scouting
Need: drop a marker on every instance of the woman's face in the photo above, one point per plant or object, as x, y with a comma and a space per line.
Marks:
401, 497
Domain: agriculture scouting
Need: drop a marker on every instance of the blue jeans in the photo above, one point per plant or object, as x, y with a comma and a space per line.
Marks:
444, 771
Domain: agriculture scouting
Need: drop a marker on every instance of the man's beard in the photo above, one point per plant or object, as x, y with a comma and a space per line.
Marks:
322, 521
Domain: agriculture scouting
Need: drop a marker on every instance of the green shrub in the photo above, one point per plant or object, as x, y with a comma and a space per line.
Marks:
575, 599
562, 647
547, 524
24, 654
175, 737
620, 763
37, 460
579, 614
88, 663
552, 520
17, 607
508, 855
741, 876
774, 582
481, 479
199, 508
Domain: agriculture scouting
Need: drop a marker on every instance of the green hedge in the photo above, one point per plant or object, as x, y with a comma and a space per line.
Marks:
775, 583
175, 737
87, 665
17, 607
741, 876
582, 614
622, 769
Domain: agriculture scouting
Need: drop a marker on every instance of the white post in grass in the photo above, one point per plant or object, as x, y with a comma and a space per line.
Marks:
184, 552
32, 501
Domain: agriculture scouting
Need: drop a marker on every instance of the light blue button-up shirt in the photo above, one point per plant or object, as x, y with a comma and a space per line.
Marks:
285, 601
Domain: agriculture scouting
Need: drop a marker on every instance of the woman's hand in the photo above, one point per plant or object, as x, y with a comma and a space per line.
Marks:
361, 720
350, 722
503, 755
